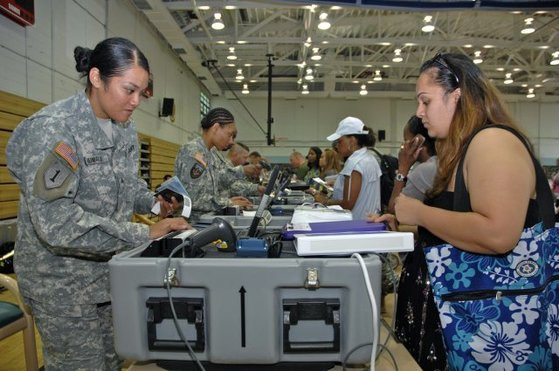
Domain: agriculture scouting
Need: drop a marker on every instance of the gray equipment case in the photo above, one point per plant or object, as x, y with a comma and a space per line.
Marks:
244, 310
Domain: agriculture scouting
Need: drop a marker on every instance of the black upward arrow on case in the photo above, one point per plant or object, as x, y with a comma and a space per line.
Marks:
242, 291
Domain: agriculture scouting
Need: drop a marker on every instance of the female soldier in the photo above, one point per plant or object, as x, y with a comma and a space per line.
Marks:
361, 172
76, 162
197, 169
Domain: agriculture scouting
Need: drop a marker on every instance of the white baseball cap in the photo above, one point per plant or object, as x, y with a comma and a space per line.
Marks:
349, 125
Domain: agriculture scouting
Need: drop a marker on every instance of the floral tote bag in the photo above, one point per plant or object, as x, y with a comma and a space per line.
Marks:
501, 312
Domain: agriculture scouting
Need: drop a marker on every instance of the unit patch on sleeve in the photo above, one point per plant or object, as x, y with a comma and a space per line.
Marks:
53, 179
65, 152
197, 170
55, 175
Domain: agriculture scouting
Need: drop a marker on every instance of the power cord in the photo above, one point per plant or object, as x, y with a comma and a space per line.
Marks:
175, 317
373, 307
395, 283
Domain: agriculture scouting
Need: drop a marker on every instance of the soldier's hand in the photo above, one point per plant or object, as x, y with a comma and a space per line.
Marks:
252, 171
167, 225
241, 201
168, 208
261, 189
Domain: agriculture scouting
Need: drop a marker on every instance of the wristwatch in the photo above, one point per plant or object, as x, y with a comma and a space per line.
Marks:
400, 177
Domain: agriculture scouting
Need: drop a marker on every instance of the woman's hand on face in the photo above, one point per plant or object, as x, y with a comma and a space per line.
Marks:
164, 226
168, 208
409, 152
407, 210
388, 219
241, 201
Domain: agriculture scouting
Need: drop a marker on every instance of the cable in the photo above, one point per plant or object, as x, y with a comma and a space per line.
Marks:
212, 64
395, 283
373, 307
175, 318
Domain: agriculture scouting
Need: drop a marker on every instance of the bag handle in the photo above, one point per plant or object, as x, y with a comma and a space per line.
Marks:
544, 197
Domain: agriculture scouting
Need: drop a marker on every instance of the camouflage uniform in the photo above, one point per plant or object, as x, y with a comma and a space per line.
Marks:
196, 168
78, 192
232, 179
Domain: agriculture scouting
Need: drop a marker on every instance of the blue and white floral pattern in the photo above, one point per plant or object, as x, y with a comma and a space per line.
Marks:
500, 345
515, 325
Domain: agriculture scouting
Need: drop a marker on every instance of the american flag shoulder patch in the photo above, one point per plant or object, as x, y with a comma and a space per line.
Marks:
64, 151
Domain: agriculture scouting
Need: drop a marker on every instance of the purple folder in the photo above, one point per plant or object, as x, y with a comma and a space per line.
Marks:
344, 226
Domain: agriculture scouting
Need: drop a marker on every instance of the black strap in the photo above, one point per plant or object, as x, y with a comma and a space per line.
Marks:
544, 197
383, 161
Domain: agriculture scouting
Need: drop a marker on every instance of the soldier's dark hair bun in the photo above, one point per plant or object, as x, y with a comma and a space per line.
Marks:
220, 116
82, 57
111, 57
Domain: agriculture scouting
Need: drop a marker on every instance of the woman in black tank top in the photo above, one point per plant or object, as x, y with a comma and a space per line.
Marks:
455, 101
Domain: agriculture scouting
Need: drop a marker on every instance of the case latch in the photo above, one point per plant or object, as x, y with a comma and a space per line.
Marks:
311, 281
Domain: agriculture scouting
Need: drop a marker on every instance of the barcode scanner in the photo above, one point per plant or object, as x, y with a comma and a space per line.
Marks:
264, 202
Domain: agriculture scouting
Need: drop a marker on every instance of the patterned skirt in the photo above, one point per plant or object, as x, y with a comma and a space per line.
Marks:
417, 320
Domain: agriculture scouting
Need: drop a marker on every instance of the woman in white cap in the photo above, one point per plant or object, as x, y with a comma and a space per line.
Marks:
361, 172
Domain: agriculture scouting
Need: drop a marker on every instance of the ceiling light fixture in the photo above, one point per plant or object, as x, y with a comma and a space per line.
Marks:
245, 89
377, 77
324, 24
477, 57
528, 27
397, 56
555, 60
232, 56
530, 94
363, 90
239, 76
305, 89
309, 75
428, 25
508, 78
230, 7
217, 24
315, 55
